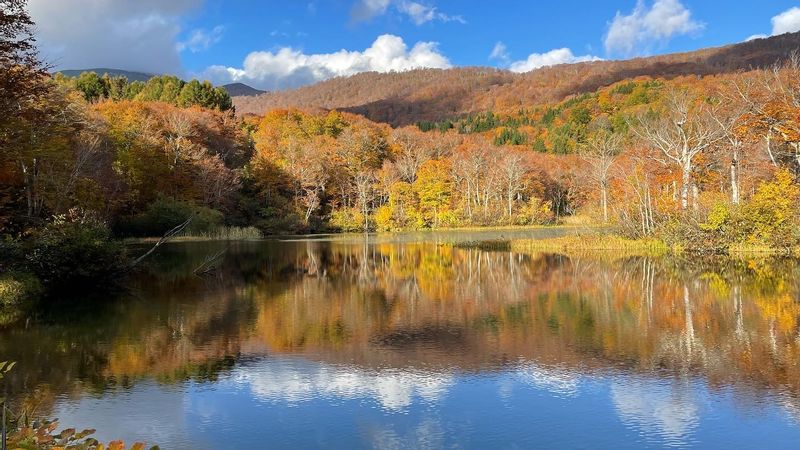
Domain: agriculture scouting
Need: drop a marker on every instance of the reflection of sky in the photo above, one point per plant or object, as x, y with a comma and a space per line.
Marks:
295, 380
661, 410
296, 403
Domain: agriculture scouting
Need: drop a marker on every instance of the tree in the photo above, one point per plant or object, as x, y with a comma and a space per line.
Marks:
512, 176
681, 132
92, 86
601, 151
433, 188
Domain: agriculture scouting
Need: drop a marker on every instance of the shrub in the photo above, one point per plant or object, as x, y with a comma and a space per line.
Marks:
535, 212
74, 248
383, 219
165, 214
772, 213
347, 219
16, 288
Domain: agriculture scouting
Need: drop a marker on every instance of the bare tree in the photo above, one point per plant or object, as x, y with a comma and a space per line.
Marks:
600, 152
413, 152
683, 130
512, 175
364, 182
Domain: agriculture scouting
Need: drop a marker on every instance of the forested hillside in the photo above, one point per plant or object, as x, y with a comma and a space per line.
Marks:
685, 148
434, 94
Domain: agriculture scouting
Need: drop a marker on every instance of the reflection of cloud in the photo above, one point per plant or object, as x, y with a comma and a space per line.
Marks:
555, 380
667, 411
428, 434
791, 405
294, 380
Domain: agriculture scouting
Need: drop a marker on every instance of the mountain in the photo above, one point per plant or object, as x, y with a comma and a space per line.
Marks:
131, 76
403, 98
241, 90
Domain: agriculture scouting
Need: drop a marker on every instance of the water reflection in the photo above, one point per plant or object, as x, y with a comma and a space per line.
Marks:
663, 352
297, 380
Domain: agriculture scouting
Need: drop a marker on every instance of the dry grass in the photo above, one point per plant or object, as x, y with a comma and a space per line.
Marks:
599, 244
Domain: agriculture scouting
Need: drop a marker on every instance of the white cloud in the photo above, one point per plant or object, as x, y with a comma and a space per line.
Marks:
551, 58
786, 22
500, 53
756, 36
133, 35
200, 39
288, 67
644, 27
418, 13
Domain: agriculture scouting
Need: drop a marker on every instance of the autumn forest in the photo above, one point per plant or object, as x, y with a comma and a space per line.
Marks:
398, 237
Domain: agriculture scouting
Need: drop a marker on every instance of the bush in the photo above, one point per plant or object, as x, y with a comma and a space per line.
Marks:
16, 288
276, 220
535, 212
772, 213
347, 219
74, 248
165, 214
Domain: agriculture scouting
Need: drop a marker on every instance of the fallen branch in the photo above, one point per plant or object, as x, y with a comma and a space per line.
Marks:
164, 239
208, 264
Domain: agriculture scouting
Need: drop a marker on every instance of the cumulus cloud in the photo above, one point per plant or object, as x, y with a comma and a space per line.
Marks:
644, 27
551, 58
200, 39
288, 67
500, 53
786, 22
418, 13
134, 35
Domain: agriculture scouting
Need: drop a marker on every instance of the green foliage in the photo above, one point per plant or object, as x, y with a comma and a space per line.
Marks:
74, 248
166, 88
164, 214
509, 136
92, 86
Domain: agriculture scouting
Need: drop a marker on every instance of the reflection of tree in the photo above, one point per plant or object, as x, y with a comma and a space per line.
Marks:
429, 307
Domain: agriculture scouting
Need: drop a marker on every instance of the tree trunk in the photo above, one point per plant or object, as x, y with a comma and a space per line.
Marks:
735, 196
686, 181
604, 200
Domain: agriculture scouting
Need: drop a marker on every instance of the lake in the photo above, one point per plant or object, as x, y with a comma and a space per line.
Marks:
404, 342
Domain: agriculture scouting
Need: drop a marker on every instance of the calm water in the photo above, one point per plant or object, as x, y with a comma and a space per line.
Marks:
402, 343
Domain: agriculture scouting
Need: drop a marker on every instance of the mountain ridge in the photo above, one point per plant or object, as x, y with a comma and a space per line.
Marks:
404, 98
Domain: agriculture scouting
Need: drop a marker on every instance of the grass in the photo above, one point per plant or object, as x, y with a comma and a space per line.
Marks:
494, 244
745, 249
599, 244
219, 234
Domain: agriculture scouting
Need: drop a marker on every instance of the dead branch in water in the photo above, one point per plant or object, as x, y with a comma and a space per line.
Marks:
164, 239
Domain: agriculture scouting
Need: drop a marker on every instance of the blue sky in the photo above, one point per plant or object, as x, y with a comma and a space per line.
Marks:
279, 44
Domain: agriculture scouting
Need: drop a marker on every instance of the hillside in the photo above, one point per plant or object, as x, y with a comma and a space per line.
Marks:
241, 90
131, 76
433, 94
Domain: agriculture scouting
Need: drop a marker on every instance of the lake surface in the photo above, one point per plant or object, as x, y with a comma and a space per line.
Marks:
401, 342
